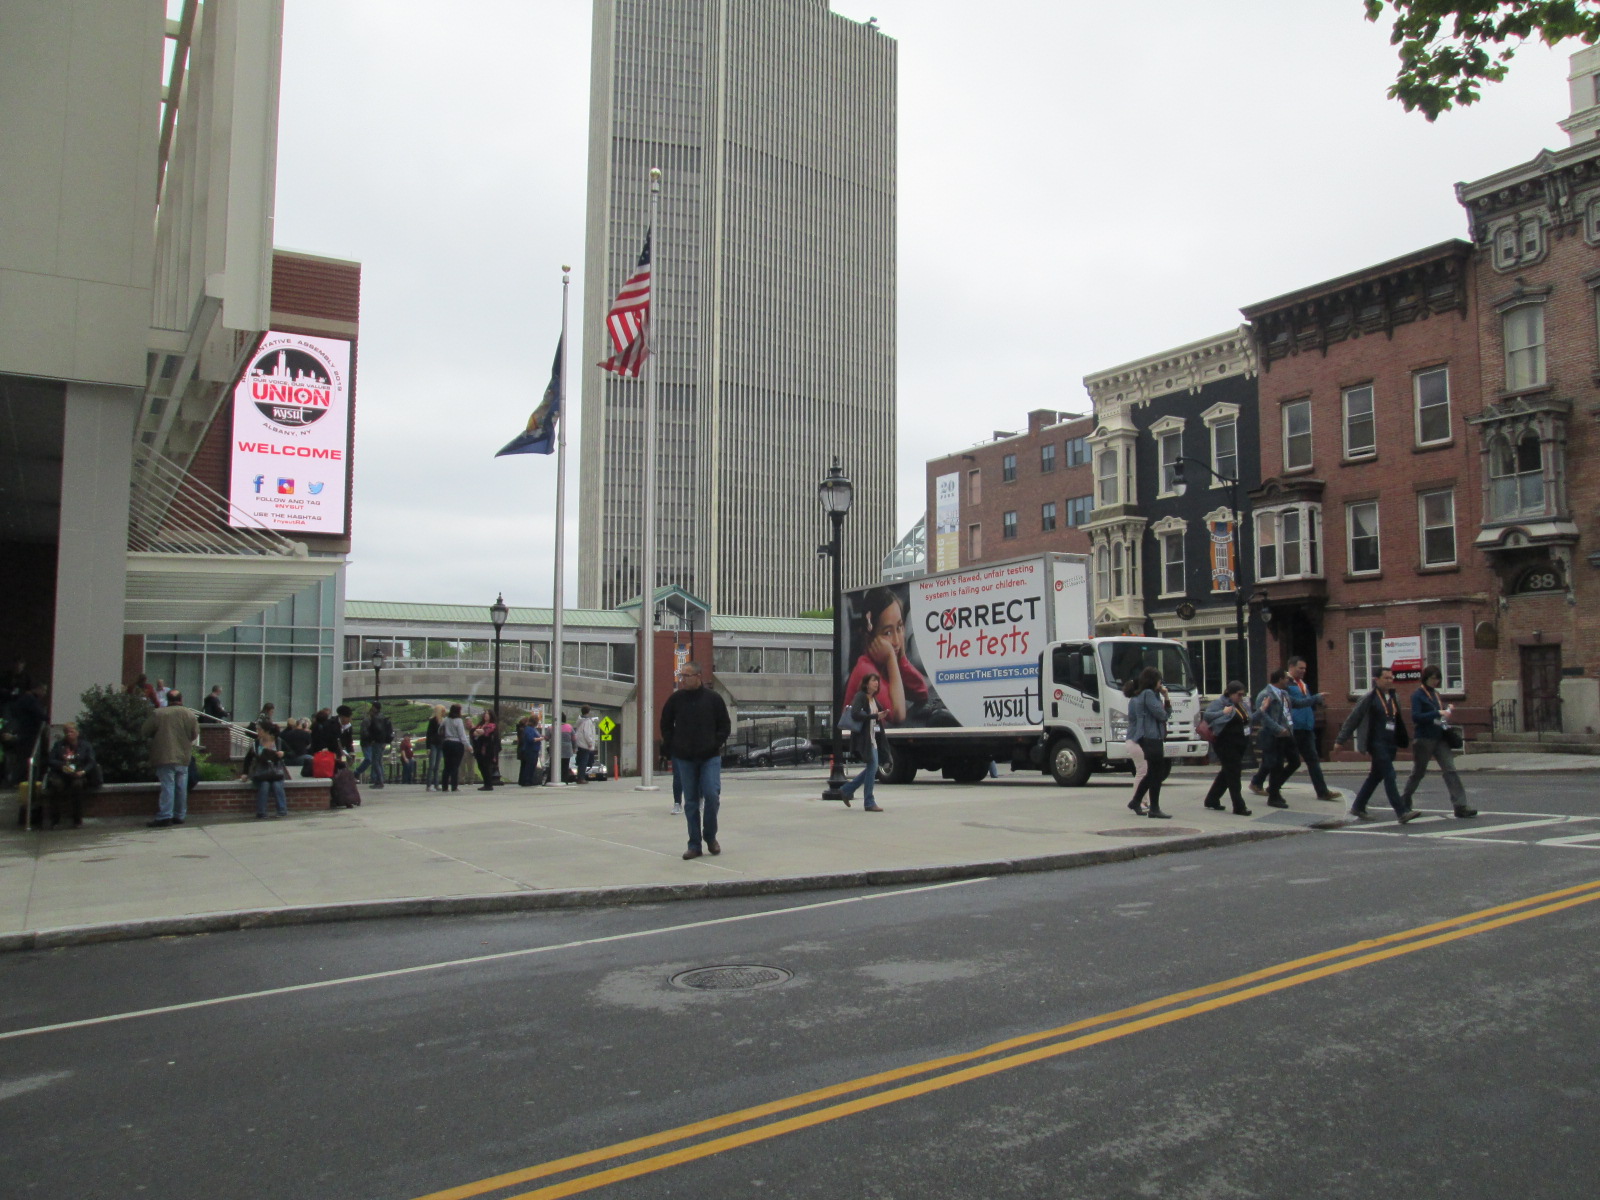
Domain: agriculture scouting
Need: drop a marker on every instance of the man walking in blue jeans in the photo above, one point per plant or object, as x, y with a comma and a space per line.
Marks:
694, 726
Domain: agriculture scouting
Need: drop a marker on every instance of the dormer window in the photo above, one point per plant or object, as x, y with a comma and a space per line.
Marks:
1505, 248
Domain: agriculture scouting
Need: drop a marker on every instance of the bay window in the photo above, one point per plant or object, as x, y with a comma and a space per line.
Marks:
1287, 542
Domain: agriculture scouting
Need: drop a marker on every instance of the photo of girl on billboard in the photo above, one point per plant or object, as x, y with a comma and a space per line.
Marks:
879, 629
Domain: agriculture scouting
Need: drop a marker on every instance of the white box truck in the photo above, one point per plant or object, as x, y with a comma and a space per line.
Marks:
997, 664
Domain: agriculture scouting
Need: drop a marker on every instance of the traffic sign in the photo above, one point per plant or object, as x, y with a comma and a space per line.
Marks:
608, 729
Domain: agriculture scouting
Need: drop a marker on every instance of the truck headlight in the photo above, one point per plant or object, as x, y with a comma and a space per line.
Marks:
1119, 728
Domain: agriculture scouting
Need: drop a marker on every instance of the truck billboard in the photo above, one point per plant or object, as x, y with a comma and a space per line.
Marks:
961, 649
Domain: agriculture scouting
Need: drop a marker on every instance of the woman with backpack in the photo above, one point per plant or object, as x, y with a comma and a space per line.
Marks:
1229, 718
866, 716
1148, 710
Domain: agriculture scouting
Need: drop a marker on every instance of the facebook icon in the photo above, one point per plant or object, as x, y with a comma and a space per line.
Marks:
258, 481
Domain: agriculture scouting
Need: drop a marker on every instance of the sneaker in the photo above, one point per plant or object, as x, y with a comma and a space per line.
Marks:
1360, 814
677, 810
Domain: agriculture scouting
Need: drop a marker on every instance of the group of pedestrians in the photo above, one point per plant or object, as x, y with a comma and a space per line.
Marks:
1283, 716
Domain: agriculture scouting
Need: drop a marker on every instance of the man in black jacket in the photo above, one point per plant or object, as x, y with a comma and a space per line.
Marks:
694, 726
377, 731
1380, 731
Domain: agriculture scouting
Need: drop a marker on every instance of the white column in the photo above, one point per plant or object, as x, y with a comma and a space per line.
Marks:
92, 566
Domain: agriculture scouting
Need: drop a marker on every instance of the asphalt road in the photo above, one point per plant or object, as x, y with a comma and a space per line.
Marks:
1460, 1061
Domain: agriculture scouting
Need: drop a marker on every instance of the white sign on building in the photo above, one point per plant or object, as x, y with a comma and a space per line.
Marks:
291, 436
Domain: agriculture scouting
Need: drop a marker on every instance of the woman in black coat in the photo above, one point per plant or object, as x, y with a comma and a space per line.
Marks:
1229, 718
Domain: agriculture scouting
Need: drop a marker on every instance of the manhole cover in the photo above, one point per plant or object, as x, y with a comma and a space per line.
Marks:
732, 978
1147, 831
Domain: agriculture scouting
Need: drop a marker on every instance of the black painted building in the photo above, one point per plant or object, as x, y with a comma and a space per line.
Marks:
1176, 451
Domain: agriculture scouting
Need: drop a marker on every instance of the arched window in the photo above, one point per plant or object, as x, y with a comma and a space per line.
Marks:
1516, 476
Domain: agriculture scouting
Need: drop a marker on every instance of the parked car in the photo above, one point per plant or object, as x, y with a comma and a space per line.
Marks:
736, 754
784, 752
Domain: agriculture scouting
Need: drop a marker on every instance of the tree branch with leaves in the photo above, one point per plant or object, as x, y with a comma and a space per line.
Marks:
1450, 48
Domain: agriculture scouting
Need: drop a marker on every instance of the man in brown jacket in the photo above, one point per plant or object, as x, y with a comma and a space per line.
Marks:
173, 731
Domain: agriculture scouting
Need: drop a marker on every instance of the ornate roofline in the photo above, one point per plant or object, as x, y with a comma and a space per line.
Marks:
1185, 368
1410, 288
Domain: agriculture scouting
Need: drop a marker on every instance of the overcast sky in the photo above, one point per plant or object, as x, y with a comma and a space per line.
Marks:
1075, 191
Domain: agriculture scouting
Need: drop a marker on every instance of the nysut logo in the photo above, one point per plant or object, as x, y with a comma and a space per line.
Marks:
291, 388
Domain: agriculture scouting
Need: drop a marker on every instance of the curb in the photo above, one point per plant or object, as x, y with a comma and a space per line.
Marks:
434, 906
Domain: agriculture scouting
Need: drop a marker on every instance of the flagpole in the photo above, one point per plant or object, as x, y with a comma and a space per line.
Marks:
561, 534
647, 554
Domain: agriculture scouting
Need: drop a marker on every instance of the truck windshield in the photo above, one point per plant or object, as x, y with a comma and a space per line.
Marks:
1122, 661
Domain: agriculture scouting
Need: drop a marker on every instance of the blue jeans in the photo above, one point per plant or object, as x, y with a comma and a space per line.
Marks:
702, 796
174, 802
1381, 771
431, 777
273, 788
868, 776
372, 757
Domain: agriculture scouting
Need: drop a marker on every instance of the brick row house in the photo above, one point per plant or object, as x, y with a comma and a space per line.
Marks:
1175, 454
1020, 494
1536, 229
1365, 516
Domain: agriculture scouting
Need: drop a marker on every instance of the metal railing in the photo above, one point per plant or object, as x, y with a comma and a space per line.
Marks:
1540, 716
169, 512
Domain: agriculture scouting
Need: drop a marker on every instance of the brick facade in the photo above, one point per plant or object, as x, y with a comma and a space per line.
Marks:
1374, 342
1537, 231
986, 495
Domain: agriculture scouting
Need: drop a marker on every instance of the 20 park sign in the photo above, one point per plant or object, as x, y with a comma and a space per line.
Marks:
291, 435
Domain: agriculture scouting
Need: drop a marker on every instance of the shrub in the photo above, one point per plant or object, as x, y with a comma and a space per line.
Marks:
110, 720
212, 771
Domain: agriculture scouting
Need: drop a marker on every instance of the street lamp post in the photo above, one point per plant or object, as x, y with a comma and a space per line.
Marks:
497, 613
1238, 554
836, 492
377, 659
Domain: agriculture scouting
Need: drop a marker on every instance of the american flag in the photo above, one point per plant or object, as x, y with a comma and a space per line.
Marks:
628, 322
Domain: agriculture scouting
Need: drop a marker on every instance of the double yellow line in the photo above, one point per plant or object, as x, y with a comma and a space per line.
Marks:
1002, 1056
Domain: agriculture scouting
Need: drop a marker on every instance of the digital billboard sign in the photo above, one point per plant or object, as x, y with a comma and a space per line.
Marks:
291, 436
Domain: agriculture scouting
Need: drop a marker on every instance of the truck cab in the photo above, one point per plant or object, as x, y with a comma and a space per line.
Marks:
1085, 714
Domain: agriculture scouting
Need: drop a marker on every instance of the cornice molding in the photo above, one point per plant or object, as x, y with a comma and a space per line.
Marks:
1184, 369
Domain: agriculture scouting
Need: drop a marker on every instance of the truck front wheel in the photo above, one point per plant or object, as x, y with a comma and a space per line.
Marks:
1069, 766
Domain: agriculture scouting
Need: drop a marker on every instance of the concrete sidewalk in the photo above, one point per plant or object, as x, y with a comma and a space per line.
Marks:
410, 851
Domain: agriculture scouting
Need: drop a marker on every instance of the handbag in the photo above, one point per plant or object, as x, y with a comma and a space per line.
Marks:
1452, 737
1202, 727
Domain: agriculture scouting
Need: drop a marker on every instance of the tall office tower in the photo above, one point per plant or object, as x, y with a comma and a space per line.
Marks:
773, 123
